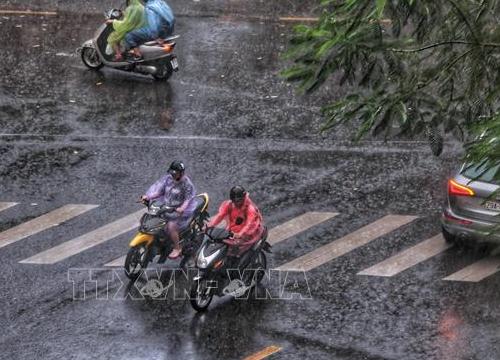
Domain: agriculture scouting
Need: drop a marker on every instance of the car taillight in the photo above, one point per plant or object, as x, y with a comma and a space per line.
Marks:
455, 188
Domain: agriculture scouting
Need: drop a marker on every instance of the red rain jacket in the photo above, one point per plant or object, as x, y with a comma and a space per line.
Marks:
245, 222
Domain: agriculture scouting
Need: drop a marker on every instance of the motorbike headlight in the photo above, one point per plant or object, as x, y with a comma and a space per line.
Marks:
202, 263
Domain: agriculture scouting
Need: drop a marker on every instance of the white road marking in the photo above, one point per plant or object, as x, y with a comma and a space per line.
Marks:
309, 144
117, 262
347, 243
42, 223
408, 258
298, 19
277, 234
6, 205
264, 353
477, 271
28, 12
297, 225
86, 241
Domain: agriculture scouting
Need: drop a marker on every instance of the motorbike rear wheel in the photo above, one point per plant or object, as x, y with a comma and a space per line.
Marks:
136, 261
200, 295
91, 59
165, 71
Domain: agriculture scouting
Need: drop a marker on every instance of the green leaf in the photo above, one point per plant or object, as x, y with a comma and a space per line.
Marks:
380, 6
439, 63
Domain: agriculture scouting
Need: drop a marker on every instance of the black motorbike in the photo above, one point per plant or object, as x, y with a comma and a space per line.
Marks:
220, 274
152, 240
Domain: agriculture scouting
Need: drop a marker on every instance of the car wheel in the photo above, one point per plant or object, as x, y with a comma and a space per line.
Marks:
449, 238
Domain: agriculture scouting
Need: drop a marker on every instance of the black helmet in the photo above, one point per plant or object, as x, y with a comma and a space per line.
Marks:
176, 167
237, 193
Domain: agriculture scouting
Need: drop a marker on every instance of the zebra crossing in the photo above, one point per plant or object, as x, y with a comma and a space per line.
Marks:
86, 241
42, 223
6, 205
408, 258
389, 267
347, 244
276, 235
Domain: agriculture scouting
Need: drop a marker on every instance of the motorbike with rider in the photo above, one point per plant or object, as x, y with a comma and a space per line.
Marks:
171, 227
232, 258
137, 39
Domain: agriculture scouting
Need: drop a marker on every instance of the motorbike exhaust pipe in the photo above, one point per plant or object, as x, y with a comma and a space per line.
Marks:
146, 69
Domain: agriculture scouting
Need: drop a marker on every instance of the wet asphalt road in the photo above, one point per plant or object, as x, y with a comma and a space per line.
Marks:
69, 135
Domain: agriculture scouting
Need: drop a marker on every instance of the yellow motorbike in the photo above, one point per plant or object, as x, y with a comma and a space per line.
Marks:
152, 240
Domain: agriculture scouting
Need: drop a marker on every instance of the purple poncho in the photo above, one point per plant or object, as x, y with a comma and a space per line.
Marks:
175, 193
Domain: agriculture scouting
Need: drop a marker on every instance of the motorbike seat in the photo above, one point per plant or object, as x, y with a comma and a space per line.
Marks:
166, 40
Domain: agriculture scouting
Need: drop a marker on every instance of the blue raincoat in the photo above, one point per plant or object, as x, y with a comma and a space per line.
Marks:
160, 24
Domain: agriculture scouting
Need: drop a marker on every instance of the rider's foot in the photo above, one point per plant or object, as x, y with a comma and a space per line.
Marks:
175, 253
135, 54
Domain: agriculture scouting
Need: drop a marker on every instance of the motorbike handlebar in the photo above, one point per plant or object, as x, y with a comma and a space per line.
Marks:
167, 209
143, 201
113, 14
227, 236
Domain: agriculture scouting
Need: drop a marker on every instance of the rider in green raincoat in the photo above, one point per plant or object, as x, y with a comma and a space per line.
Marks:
133, 18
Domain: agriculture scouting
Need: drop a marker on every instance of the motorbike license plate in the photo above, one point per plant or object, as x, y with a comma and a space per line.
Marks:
492, 205
174, 63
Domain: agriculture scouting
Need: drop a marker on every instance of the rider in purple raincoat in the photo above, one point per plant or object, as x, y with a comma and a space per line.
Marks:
176, 190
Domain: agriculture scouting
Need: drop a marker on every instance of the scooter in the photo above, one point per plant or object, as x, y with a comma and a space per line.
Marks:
152, 240
157, 59
223, 275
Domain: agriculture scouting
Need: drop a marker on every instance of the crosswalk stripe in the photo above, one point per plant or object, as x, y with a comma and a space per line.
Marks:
6, 205
347, 243
408, 258
297, 225
117, 262
477, 271
42, 223
264, 353
86, 241
278, 233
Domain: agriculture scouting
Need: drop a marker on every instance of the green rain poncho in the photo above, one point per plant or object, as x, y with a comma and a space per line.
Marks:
132, 19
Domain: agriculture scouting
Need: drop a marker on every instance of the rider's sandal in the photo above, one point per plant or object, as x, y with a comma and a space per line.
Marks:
134, 57
175, 254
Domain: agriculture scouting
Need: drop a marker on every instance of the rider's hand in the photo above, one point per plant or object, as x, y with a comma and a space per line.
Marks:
237, 238
179, 210
144, 198
109, 21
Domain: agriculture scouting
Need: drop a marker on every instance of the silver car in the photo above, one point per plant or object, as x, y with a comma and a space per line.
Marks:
471, 213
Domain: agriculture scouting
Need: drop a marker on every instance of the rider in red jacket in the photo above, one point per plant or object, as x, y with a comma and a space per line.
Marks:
242, 218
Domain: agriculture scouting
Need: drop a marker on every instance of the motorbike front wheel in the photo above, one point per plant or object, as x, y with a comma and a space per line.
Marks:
136, 261
201, 295
91, 59
261, 267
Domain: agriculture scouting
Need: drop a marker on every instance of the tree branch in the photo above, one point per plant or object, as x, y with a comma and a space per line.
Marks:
450, 42
449, 66
461, 13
